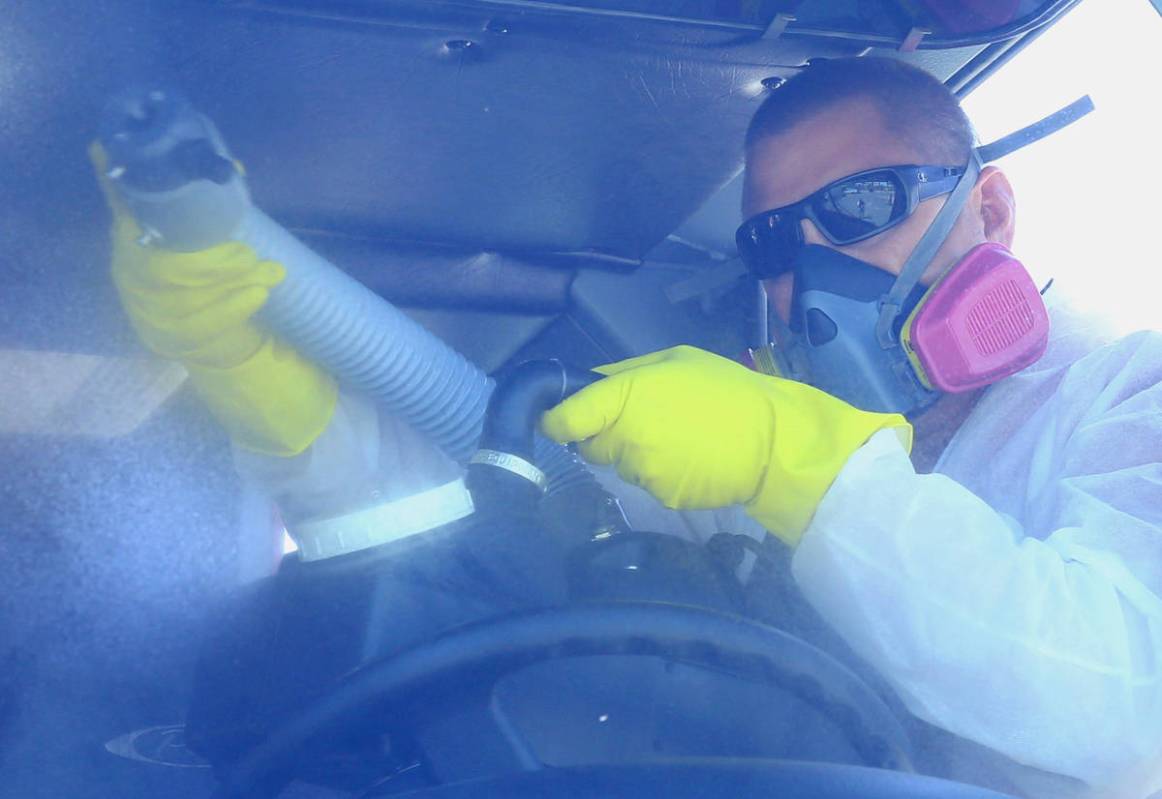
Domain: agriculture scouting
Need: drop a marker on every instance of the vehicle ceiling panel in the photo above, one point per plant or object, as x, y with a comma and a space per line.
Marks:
549, 132
555, 134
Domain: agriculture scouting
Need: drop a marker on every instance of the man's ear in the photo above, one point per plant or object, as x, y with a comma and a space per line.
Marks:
998, 206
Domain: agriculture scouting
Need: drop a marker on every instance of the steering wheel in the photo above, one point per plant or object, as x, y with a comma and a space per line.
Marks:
720, 777
477, 656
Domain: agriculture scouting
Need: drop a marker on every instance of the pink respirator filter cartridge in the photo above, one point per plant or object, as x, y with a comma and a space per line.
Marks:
984, 320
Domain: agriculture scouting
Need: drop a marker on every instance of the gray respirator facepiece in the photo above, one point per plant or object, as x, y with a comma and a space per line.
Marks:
830, 341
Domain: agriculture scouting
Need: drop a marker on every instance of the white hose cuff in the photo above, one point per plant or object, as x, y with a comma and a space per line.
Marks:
382, 524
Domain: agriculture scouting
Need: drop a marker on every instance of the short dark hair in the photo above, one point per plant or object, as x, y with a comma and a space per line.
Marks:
913, 103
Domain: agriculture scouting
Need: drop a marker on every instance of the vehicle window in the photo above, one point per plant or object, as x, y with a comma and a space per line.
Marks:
1087, 197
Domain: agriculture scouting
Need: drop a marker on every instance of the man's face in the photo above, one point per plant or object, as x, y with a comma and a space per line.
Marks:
841, 140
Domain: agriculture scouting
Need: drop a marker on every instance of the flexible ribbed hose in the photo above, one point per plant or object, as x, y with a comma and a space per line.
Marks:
369, 344
175, 174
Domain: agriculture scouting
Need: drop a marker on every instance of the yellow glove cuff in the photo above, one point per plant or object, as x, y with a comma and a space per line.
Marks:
275, 402
806, 459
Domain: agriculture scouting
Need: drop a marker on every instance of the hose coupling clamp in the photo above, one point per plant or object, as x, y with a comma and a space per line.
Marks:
512, 463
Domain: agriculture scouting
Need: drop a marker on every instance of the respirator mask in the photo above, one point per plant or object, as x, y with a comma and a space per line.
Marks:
883, 342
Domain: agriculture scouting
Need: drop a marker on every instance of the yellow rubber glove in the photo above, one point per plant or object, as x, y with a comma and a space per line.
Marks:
197, 308
700, 431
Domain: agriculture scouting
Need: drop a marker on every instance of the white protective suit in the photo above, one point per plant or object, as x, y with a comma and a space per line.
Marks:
1011, 597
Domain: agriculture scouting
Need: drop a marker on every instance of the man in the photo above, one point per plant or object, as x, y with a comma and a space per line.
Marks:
1012, 596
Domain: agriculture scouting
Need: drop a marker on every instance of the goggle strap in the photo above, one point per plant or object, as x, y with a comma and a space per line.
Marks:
924, 251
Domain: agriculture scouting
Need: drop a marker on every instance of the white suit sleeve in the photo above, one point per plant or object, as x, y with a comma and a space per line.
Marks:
1047, 651
364, 457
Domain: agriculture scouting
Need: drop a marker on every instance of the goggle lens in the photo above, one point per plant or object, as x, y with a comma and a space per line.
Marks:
860, 207
766, 244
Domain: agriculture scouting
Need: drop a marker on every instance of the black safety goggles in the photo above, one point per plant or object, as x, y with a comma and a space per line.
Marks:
851, 209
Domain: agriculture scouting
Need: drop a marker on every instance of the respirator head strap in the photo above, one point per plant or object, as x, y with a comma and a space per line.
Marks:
893, 303
942, 225
1035, 132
